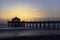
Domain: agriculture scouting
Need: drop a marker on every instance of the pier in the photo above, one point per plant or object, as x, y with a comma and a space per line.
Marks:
34, 25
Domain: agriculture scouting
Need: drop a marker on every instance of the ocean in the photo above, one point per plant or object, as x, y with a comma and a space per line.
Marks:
14, 32
6, 31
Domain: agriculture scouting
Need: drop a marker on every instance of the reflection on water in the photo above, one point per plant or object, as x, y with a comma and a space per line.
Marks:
14, 33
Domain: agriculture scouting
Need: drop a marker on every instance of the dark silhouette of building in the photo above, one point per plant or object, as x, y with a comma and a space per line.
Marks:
16, 22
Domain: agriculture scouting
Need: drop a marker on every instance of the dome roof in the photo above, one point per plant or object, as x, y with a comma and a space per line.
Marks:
16, 19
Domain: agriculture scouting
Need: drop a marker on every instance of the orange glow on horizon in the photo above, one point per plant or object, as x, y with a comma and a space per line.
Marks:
24, 13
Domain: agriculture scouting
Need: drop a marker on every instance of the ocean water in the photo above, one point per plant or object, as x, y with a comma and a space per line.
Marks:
6, 31
14, 32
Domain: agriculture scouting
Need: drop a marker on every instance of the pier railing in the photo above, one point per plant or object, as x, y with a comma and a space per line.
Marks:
40, 24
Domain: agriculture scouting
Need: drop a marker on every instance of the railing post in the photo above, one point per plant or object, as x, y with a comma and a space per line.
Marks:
58, 26
39, 25
44, 25
8, 24
32, 25
49, 25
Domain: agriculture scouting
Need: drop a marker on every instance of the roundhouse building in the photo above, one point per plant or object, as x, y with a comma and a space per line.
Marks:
15, 22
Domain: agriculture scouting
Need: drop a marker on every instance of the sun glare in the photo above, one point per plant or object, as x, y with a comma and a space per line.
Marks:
24, 13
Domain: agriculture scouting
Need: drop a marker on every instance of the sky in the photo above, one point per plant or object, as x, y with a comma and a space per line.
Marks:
29, 9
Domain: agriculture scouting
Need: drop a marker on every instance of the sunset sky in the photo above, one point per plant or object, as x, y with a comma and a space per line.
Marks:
29, 9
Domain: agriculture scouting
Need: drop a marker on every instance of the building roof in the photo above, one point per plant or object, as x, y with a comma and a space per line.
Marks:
16, 19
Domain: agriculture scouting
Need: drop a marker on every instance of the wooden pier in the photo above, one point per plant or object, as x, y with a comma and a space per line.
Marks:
40, 24
16, 22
